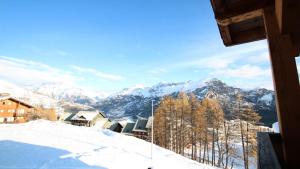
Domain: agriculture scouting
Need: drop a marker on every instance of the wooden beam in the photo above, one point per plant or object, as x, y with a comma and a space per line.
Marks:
287, 14
228, 9
286, 85
240, 18
225, 34
251, 35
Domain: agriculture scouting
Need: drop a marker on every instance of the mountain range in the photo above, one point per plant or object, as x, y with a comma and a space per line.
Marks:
131, 103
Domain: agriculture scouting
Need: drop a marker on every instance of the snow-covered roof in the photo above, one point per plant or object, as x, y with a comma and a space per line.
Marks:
85, 115
128, 128
114, 125
16, 100
102, 123
140, 125
149, 123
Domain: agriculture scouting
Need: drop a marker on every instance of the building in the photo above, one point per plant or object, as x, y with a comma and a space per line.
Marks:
139, 130
149, 127
86, 118
128, 129
13, 110
116, 127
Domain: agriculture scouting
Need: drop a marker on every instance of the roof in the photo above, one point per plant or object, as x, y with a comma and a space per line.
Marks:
16, 100
65, 116
149, 123
85, 115
114, 125
140, 125
240, 21
128, 128
102, 122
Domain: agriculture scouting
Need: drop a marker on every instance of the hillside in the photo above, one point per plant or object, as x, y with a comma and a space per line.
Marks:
134, 102
131, 103
51, 145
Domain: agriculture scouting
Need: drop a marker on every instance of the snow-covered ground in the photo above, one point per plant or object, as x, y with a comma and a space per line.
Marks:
54, 145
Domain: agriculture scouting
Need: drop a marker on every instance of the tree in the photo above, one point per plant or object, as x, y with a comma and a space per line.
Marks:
246, 116
214, 119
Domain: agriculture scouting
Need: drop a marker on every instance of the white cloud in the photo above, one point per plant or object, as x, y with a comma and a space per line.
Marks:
97, 73
261, 57
245, 71
223, 59
31, 72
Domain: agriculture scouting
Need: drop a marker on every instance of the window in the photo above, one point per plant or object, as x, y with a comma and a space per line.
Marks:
1, 111
10, 119
3, 102
21, 111
8, 102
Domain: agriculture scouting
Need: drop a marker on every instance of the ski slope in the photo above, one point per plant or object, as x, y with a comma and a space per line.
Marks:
54, 145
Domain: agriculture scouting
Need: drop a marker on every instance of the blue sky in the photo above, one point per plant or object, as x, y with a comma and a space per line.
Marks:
109, 45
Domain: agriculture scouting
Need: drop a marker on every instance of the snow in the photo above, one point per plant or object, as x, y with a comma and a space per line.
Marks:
161, 89
267, 98
88, 115
275, 127
50, 145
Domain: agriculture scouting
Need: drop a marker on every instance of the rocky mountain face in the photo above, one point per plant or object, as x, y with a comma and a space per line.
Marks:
131, 103
136, 102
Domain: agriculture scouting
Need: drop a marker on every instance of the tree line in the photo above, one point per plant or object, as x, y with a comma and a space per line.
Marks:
199, 130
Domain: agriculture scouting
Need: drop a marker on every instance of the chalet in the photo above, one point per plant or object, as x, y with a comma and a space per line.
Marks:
116, 127
13, 110
149, 127
86, 118
128, 129
139, 130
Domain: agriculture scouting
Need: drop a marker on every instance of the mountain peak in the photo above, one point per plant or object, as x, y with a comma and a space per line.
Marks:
215, 82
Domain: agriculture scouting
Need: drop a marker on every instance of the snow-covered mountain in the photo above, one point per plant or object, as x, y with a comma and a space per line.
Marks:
66, 92
135, 102
50, 95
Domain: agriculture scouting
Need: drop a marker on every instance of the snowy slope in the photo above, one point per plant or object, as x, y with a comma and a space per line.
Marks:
51, 145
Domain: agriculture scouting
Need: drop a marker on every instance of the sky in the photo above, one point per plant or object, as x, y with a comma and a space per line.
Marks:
108, 45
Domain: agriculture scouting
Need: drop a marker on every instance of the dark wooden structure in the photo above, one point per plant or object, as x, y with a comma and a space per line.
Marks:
116, 127
278, 21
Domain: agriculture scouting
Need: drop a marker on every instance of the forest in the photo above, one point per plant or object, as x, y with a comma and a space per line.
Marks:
200, 130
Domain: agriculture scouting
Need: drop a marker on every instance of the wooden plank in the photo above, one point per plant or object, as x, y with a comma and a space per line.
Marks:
228, 9
248, 36
286, 85
240, 18
287, 14
225, 34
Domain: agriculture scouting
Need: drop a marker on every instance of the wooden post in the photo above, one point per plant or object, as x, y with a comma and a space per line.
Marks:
286, 85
